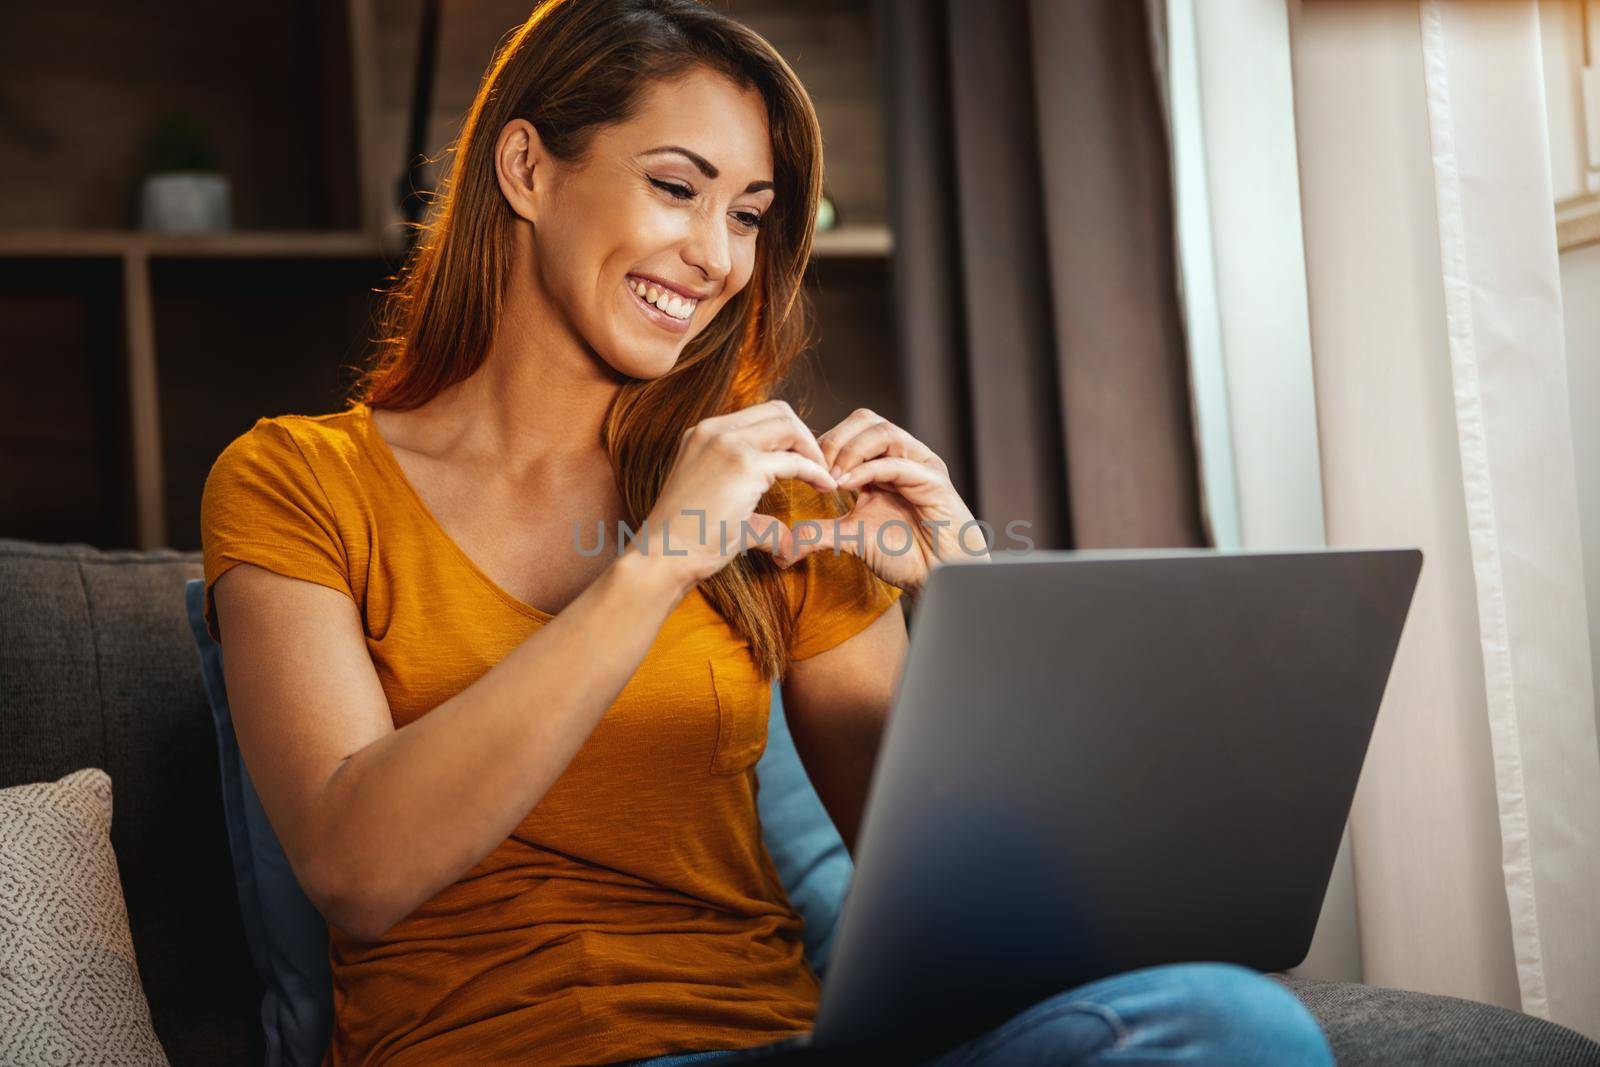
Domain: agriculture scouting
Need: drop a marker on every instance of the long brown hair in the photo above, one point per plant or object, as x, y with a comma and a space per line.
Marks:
572, 67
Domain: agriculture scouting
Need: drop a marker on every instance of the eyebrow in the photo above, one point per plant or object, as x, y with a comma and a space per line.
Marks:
703, 165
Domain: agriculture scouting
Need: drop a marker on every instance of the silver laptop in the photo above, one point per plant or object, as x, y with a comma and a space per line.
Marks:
1099, 761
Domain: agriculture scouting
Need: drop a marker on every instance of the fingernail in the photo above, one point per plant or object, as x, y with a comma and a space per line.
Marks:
835, 471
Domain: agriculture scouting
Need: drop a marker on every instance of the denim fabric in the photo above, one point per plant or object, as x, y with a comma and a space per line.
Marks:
690, 1057
1196, 1014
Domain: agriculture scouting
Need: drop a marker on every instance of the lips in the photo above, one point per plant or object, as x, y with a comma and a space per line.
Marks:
655, 314
668, 298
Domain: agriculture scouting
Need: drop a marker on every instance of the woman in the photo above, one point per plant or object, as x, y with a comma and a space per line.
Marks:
514, 773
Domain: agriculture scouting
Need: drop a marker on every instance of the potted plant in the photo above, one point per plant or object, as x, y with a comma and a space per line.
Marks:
183, 189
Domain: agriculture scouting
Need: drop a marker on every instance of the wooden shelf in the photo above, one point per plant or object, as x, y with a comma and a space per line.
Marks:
66, 471
853, 242
259, 244
843, 242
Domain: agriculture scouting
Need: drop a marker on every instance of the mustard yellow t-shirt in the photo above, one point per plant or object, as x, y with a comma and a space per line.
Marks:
635, 910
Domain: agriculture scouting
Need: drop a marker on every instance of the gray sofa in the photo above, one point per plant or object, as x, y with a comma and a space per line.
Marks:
97, 668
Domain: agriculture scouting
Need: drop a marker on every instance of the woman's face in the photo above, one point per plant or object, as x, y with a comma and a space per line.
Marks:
641, 244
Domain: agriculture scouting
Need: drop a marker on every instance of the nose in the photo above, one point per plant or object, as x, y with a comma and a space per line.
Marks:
707, 248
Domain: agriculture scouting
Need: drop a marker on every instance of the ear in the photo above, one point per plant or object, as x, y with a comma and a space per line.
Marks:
522, 167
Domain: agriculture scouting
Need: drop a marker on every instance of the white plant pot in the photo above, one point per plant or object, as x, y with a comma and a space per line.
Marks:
185, 202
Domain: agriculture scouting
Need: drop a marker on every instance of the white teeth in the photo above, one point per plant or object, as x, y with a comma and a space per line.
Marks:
668, 301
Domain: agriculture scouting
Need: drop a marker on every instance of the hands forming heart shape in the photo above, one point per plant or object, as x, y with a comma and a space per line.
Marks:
907, 518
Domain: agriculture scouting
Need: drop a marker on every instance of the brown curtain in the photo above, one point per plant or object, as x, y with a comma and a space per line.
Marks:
1035, 284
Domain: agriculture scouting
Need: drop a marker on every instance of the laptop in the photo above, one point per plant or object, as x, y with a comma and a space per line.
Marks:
1099, 761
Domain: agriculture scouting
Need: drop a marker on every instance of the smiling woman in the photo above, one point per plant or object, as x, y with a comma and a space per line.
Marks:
517, 780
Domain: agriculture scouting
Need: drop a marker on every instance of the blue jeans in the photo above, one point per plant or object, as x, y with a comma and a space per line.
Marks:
1182, 1013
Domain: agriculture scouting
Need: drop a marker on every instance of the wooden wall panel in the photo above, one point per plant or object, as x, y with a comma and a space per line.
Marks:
81, 82
242, 339
64, 464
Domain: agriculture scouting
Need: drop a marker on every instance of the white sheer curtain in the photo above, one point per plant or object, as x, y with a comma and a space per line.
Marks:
1502, 287
1443, 413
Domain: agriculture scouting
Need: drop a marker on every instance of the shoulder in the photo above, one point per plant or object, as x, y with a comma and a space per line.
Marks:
279, 496
330, 436
334, 430
290, 448
311, 461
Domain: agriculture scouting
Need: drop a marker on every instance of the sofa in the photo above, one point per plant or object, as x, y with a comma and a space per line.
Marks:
98, 669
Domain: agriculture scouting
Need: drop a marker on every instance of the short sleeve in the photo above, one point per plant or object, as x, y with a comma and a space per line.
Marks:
263, 505
832, 595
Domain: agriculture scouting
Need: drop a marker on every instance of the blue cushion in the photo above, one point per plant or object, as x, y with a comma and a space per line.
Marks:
287, 936
289, 940
808, 852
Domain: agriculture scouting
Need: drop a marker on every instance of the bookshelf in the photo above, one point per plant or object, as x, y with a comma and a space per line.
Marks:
129, 359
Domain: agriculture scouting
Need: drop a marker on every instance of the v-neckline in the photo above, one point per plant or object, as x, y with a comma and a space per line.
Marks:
386, 457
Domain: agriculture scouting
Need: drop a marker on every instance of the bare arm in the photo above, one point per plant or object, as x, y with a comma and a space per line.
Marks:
376, 820
837, 703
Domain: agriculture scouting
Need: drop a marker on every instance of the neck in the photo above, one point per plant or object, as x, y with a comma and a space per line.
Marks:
539, 399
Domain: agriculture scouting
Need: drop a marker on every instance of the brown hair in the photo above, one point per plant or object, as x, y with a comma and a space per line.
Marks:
572, 67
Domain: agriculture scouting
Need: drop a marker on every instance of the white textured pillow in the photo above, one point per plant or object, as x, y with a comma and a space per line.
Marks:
69, 986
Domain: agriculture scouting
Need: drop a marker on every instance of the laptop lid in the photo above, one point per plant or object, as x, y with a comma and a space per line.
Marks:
1100, 761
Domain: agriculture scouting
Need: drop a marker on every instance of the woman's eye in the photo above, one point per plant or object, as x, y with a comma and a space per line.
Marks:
748, 219
682, 192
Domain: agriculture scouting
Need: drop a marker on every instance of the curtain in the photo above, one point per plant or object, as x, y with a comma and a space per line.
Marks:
1502, 289
1034, 278
1444, 421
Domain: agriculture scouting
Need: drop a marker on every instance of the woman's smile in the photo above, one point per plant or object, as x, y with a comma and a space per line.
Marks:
662, 306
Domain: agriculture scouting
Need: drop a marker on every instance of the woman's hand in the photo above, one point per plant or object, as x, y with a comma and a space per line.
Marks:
908, 518
706, 511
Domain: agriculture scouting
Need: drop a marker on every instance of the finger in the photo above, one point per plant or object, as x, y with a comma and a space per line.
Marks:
882, 438
732, 420
848, 427
783, 431
769, 535
904, 474
781, 465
